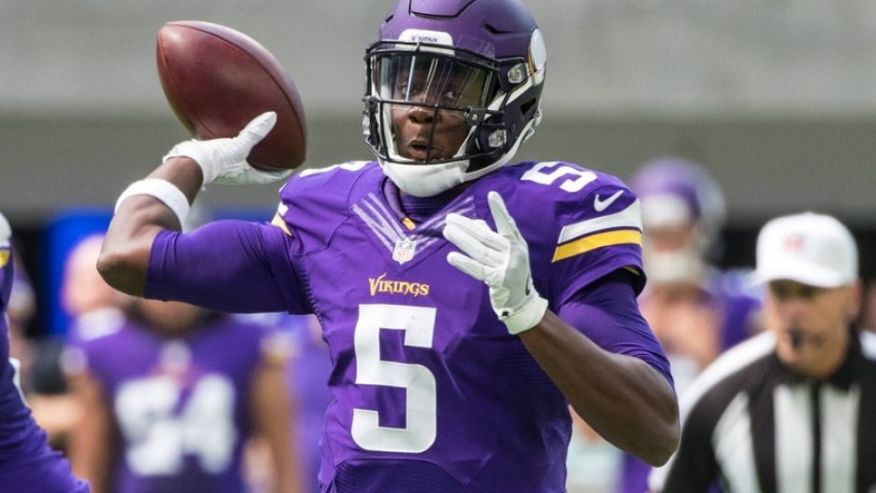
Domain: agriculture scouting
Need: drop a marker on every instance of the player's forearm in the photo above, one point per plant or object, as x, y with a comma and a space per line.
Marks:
621, 397
124, 259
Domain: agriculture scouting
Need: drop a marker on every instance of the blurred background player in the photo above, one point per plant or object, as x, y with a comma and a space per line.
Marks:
696, 310
791, 409
170, 396
93, 305
27, 464
310, 366
309, 369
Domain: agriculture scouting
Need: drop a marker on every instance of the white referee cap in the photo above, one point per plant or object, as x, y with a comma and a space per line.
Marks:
812, 249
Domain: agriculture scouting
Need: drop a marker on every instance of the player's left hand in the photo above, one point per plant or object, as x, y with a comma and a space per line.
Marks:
501, 260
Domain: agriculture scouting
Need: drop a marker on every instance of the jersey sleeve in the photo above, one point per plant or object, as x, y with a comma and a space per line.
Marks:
606, 311
600, 233
228, 266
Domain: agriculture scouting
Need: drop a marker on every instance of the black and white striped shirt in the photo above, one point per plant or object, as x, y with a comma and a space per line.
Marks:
752, 426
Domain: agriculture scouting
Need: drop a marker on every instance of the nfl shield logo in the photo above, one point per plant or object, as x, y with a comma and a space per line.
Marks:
404, 250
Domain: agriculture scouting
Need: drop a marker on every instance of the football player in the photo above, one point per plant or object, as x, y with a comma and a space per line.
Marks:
27, 463
171, 394
464, 300
696, 310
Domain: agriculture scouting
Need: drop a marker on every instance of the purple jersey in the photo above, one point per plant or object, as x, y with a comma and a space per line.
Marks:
431, 392
180, 404
27, 463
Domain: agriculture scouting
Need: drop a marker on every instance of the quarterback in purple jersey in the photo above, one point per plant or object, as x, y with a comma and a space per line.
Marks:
465, 301
27, 463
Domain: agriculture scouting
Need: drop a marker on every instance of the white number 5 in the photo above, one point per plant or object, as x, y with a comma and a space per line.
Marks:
538, 174
421, 405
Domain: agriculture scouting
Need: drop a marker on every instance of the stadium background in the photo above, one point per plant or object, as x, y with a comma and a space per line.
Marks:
777, 99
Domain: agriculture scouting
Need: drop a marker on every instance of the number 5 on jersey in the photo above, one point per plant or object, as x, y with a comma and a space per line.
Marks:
421, 407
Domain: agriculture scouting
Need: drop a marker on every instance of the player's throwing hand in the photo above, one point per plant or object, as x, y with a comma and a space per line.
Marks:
224, 160
501, 260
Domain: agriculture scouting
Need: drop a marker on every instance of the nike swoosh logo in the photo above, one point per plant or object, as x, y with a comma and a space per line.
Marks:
601, 205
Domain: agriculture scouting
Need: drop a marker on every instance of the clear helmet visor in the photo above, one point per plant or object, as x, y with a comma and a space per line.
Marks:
431, 104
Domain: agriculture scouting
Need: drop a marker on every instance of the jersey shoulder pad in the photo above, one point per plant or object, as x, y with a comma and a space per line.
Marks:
331, 182
580, 224
315, 201
591, 208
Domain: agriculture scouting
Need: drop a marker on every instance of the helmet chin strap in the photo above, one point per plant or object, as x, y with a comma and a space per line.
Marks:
425, 180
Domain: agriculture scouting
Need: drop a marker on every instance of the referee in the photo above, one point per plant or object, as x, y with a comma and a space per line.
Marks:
792, 410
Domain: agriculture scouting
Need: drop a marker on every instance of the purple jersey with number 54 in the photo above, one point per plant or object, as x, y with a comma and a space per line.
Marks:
181, 404
431, 392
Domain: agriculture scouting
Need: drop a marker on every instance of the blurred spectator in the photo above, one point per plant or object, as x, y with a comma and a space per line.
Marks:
696, 310
170, 397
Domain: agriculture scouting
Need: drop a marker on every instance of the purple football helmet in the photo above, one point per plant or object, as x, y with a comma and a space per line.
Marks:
675, 191
473, 66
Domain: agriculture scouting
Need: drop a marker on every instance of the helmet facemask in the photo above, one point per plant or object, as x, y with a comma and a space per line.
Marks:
446, 108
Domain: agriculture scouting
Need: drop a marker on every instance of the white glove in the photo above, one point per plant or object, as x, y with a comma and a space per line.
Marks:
224, 160
500, 259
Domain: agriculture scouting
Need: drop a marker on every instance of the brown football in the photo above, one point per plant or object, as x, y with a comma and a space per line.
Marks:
217, 79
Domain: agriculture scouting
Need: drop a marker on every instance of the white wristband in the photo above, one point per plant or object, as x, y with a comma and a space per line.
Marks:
163, 190
527, 316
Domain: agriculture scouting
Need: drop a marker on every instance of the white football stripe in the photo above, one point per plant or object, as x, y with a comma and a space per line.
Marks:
631, 217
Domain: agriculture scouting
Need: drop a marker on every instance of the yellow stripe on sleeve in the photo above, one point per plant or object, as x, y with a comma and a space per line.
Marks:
280, 223
599, 240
